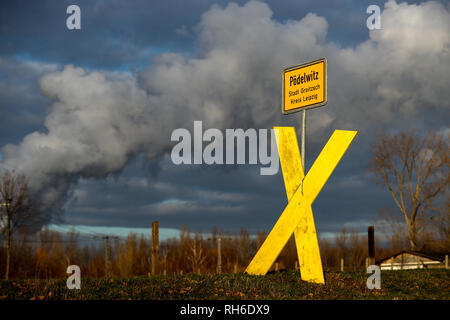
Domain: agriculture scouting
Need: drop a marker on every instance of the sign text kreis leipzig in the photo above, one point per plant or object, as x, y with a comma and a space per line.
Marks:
304, 86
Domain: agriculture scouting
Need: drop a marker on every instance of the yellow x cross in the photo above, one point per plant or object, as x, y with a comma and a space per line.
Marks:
301, 191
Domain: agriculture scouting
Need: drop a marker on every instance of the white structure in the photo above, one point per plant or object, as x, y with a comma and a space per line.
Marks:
405, 260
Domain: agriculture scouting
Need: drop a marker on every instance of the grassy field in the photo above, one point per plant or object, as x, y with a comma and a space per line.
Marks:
414, 284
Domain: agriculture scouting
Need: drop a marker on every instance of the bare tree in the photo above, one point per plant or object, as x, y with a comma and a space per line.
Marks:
442, 223
357, 247
392, 226
197, 257
341, 242
16, 209
416, 171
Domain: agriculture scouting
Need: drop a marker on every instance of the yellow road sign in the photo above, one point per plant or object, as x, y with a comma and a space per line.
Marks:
297, 216
304, 86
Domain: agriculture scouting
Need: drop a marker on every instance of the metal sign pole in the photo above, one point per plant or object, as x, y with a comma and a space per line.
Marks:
303, 139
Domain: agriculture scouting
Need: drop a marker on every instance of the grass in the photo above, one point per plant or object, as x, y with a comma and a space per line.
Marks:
396, 285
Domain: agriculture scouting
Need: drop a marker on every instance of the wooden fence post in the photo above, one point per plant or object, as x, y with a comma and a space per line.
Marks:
165, 262
219, 255
107, 257
342, 265
371, 243
155, 246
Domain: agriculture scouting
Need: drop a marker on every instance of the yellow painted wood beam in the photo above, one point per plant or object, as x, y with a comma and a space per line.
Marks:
298, 209
306, 241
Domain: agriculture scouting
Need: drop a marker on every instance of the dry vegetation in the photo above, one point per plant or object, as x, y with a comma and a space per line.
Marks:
395, 285
49, 255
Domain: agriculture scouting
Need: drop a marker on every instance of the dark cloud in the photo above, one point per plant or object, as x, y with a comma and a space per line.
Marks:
115, 34
23, 108
203, 197
99, 121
